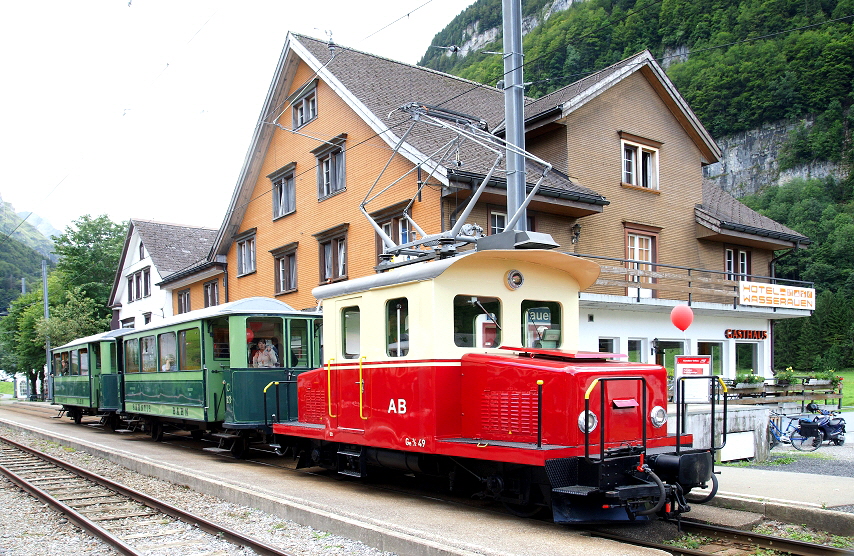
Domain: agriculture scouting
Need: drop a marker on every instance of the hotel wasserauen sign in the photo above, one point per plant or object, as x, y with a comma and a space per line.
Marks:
776, 295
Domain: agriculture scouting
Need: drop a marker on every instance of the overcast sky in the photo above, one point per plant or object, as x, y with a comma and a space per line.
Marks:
147, 110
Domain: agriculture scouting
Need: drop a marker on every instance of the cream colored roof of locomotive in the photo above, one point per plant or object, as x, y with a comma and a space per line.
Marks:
429, 286
585, 272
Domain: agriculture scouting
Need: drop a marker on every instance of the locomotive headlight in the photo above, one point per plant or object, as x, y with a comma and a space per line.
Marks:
587, 421
658, 416
514, 279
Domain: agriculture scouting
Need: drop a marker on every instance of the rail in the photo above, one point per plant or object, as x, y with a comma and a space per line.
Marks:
673, 281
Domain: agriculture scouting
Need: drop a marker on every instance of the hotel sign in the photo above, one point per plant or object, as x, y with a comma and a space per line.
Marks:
776, 295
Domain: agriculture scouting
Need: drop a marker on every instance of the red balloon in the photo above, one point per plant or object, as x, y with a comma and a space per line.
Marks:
682, 316
256, 326
249, 335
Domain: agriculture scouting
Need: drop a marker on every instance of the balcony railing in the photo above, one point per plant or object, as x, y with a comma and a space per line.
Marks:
642, 279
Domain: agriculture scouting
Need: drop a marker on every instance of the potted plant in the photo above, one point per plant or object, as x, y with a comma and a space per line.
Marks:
785, 376
824, 378
748, 380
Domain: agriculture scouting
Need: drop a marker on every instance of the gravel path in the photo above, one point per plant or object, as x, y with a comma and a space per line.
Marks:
29, 527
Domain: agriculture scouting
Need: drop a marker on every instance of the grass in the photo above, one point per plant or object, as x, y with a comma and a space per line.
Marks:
7, 387
847, 387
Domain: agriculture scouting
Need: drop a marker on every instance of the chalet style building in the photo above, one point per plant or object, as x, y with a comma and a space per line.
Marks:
152, 251
626, 191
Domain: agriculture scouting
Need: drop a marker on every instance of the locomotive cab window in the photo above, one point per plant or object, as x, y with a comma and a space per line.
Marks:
264, 342
477, 321
541, 324
350, 332
189, 350
397, 327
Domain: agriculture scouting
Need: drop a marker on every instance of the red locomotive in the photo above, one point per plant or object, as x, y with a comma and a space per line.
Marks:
467, 368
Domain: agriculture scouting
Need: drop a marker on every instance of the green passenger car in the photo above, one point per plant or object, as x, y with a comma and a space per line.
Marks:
85, 375
207, 370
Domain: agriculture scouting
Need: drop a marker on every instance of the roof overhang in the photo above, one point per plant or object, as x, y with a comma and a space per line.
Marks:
710, 228
191, 276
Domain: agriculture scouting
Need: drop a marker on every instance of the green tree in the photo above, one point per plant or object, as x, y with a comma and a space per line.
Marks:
76, 318
89, 253
19, 349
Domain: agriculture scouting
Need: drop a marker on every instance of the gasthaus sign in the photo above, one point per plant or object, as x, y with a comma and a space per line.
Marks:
776, 295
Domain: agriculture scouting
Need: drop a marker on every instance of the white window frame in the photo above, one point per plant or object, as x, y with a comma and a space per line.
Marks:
495, 218
305, 109
640, 165
331, 177
284, 195
637, 251
246, 256
211, 292
286, 272
736, 263
331, 167
184, 301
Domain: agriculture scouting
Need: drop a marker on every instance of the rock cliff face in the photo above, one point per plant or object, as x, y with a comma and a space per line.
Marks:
475, 38
750, 161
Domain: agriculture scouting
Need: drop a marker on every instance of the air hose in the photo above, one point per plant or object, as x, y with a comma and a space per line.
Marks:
662, 497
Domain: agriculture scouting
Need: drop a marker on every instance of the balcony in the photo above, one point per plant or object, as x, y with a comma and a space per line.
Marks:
627, 284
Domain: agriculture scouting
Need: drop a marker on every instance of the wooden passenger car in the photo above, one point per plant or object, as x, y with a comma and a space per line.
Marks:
85, 375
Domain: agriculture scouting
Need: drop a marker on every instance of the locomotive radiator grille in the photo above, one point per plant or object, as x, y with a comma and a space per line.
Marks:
509, 415
315, 406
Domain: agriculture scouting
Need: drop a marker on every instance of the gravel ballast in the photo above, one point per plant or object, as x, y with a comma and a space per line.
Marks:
29, 527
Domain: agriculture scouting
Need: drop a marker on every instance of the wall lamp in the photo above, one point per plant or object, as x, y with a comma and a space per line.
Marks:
576, 232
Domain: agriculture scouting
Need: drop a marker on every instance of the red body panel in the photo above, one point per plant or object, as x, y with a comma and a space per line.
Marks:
481, 406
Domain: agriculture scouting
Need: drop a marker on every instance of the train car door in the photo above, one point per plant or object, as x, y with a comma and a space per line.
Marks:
349, 379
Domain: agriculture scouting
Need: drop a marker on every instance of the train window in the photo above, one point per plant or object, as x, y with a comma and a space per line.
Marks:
190, 350
57, 365
219, 331
397, 327
350, 322
149, 354
132, 356
477, 321
299, 344
75, 363
263, 338
84, 362
541, 324
167, 351
95, 357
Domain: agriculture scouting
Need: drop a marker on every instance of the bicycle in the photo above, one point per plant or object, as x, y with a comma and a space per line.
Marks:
806, 436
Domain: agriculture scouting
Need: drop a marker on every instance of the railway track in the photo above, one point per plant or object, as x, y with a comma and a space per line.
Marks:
732, 542
723, 540
130, 522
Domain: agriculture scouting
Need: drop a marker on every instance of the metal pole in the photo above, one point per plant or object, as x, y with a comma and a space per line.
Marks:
48, 373
514, 108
